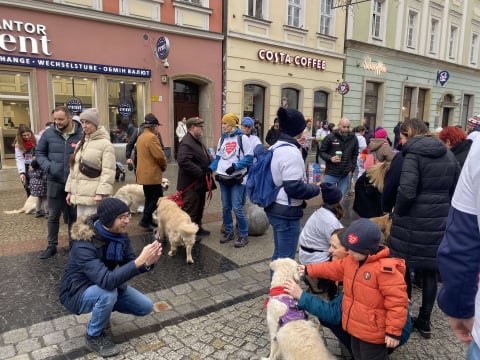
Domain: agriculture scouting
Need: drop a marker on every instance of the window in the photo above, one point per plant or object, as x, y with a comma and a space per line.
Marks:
141, 9
474, 50
76, 93
326, 18
255, 8
377, 19
452, 42
433, 39
254, 104
295, 13
290, 98
466, 109
320, 106
411, 38
407, 102
371, 104
422, 96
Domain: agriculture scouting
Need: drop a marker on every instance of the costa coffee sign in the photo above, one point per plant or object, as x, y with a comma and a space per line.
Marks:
23, 37
278, 57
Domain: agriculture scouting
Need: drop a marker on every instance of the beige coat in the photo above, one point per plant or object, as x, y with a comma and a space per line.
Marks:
99, 150
151, 160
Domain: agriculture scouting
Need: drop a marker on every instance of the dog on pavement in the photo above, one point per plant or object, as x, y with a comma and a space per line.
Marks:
28, 207
132, 194
292, 336
177, 225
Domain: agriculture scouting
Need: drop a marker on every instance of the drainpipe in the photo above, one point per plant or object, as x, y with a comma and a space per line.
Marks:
224, 55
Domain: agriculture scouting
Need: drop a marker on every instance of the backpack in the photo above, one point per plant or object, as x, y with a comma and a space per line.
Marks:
261, 189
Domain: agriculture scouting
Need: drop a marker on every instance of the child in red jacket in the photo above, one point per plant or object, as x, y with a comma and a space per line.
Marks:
375, 303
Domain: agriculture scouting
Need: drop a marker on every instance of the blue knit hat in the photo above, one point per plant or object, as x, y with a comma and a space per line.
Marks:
109, 209
292, 122
362, 236
248, 121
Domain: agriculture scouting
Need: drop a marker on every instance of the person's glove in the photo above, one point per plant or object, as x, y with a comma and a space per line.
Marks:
230, 170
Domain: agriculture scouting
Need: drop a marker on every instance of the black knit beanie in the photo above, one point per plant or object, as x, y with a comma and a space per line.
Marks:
292, 122
109, 209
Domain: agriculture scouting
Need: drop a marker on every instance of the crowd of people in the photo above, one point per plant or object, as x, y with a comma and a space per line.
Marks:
71, 169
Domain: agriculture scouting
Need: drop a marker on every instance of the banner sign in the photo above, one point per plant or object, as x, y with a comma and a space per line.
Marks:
74, 66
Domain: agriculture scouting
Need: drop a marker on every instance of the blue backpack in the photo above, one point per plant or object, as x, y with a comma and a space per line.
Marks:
261, 189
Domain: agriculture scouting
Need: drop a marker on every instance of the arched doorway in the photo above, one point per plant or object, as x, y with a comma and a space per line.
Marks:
185, 103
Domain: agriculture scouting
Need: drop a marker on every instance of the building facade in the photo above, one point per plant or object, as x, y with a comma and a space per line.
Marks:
125, 57
410, 59
284, 53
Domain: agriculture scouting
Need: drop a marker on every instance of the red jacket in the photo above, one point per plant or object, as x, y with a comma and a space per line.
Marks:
375, 301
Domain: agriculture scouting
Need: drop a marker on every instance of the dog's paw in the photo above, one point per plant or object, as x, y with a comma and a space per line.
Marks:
190, 261
171, 253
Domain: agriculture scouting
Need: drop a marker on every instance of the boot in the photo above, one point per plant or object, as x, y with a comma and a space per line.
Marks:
48, 252
422, 324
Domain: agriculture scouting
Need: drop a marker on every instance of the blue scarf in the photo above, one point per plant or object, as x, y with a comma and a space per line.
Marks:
116, 242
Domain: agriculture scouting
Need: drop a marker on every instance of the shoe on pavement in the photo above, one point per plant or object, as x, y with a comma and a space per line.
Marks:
40, 213
48, 252
227, 237
202, 232
423, 327
102, 344
146, 226
241, 241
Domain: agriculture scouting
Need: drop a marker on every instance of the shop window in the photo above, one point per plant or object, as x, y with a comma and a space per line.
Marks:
125, 109
254, 104
371, 104
74, 92
290, 98
415, 103
422, 99
320, 106
407, 103
14, 109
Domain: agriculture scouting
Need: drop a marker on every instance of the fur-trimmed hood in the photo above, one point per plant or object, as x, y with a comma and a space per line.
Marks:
83, 230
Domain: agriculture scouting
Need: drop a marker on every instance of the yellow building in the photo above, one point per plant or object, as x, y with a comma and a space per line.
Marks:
284, 53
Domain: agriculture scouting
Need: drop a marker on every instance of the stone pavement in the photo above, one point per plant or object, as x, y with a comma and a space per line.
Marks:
212, 309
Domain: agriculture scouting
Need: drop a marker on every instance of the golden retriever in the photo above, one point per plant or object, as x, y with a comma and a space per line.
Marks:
298, 339
28, 207
132, 195
177, 225
385, 224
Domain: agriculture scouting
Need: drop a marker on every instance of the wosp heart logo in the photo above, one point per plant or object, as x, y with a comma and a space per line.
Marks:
230, 147
352, 239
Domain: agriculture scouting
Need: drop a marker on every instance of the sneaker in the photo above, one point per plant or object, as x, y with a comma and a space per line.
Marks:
241, 241
48, 252
227, 237
102, 345
422, 326
202, 232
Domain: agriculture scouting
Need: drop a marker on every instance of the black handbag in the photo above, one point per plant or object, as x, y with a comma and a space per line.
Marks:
89, 169
230, 180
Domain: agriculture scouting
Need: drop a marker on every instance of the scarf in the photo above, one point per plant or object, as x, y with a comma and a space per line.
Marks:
116, 242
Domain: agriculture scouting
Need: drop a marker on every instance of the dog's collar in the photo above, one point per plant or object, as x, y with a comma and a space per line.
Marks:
274, 291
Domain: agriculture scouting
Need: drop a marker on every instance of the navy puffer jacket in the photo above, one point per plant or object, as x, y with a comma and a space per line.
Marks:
427, 182
53, 152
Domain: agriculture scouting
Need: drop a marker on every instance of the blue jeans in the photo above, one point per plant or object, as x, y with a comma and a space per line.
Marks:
343, 183
101, 303
473, 352
233, 198
285, 236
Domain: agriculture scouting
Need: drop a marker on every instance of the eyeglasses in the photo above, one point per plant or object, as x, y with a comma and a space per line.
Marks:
125, 217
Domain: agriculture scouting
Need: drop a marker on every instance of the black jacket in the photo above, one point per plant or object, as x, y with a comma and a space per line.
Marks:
272, 136
461, 151
348, 145
193, 161
427, 182
368, 200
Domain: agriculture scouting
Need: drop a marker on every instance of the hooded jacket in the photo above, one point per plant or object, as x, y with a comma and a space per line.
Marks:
375, 301
87, 265
382, 149
461, 151
427, 181
97, 149
348, 145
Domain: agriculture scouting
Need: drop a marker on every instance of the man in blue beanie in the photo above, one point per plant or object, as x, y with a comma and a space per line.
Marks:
100, 262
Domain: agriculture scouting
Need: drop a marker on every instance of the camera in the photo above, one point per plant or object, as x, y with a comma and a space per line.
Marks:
166, 65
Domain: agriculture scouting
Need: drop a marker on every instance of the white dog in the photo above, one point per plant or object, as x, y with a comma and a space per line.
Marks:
297, 338
177, 225
28, 208
132, 194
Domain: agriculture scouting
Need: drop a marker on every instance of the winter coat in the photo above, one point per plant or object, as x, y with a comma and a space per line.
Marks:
53, 152
151, 160
193, 161
87, 265
348, 145
38, 183
375, 299
272, 136
461, 151
381, 148
427, 182
368, 199
288, 171
98, 150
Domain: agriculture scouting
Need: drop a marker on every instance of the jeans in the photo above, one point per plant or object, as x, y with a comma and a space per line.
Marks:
57, 204
343, 183
233, 197
473, 352
285, 236
101, 303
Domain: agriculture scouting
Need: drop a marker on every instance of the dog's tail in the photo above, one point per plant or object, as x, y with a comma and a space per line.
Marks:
187, 229
18, 211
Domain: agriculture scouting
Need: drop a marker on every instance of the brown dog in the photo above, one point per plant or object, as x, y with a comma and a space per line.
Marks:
384, 223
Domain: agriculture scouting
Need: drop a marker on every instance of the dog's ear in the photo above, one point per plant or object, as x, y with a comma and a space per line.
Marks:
273, 265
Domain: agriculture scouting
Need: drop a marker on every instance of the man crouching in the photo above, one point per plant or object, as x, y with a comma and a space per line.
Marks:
101, 260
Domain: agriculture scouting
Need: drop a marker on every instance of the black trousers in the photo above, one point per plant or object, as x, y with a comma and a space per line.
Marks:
152, 194
194, 204
362, 350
